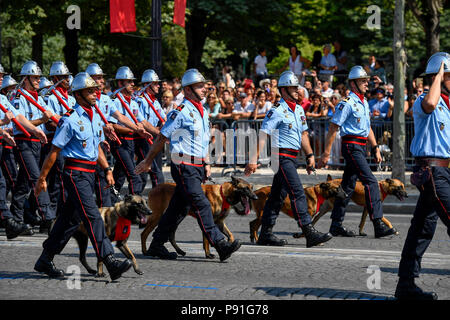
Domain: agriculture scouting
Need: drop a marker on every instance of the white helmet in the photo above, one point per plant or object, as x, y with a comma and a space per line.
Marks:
2, 71
30, 68
59, 68
94, 70
357, 72
8, 81
45, 83
150, 75
125, 73
83, 81
192, 76
435, 61
288, 79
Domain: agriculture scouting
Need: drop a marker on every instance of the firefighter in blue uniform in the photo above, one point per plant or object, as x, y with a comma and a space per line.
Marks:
353, 119
112, 115
56, 102
150, 81
14, 225
28, 151
78, 138
8, 162
431, 174
288, 118
124, 154
187, 128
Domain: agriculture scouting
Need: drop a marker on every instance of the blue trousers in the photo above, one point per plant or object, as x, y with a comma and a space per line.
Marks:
356, 167
286, 182
124, 167
102, 193
188, 195
142, 147
9, 167
429, 208
4, 210
28, 155
79, 207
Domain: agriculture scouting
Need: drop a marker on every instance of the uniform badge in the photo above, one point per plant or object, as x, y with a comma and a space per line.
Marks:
276, 105
135, 112
80, 122
173, 116
303, 119
290, 125
270, 114
84, 144
180, 107
440, 108
285, 111
191, 114
195, 120
30, 115
81, 128
341, 106
441, 126
16, 105
100, 133
359, 120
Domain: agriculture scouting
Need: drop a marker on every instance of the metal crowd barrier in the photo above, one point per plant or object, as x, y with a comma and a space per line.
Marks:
318, 129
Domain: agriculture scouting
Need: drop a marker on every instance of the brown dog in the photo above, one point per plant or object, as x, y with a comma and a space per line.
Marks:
315, 196
235, 194
134, 209
387, 187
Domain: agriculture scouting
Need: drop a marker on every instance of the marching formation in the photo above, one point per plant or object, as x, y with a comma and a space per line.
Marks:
56, 134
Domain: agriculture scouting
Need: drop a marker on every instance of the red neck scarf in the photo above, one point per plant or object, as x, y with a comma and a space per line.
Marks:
89, 111
152, 97
128, 99
360, 96
446, 99
198, 105
99, 94
63, 92
291, 105
34, 94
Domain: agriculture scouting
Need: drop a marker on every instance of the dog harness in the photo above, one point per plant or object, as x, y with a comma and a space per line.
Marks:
123, 228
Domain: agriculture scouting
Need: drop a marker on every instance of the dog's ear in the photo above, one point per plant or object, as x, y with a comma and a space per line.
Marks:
234, 181
390, 181
329, 178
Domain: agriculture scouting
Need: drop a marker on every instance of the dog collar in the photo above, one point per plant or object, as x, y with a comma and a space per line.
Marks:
320, 200
123, 228
383, 193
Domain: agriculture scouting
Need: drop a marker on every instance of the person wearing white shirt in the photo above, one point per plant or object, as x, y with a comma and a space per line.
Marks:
259, 65
262, 105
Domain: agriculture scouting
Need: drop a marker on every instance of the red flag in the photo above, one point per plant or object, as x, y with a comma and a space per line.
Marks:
122, 16
179, 11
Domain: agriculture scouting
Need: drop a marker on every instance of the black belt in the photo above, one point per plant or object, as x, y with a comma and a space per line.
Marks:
354, 140
432, 162
80, 165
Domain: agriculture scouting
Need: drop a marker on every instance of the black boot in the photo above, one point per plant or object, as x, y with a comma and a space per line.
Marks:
14, 229
160, 251
45, 264
314, 237
225, 248
337, 229
267, 238
408, 290
116, 267
381, 229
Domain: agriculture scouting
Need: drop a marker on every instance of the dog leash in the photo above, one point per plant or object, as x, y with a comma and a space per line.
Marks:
116, 193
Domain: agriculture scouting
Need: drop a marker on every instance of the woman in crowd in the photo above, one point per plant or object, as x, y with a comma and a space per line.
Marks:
262, 105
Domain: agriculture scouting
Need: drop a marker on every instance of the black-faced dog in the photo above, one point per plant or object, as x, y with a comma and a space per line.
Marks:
118, 219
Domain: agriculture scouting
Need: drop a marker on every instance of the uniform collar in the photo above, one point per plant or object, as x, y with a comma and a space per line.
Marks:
80, 110
197, 105
284, 102
357, 97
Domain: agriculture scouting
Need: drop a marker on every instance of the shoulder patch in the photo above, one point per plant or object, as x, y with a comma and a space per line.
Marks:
276, 105
180, 107
174, 114
68, 113
270, 114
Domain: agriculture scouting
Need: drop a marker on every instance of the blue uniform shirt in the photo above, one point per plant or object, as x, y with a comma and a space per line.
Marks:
56, 107
352, 116
28, 110
148, 112
78, 136
432, 131
133, 106
107, 107
290, 125
187, 130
